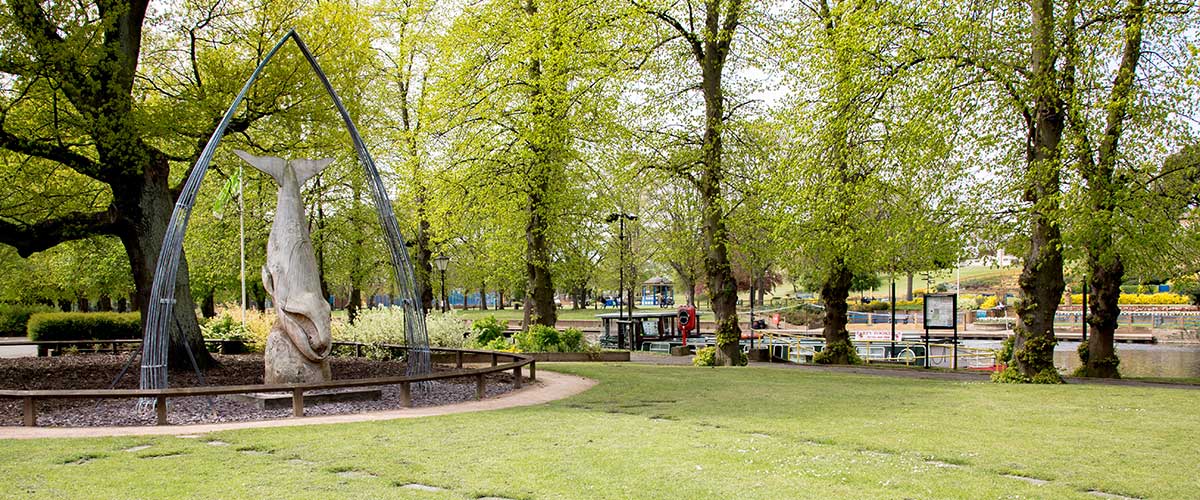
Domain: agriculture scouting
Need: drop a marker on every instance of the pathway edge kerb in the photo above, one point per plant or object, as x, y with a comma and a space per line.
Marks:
550, 386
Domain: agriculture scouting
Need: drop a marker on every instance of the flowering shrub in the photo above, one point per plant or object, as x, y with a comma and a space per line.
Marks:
1161, 298
258, 326
446, 330
374, 326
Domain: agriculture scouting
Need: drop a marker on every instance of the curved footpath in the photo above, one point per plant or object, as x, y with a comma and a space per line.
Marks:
550, 386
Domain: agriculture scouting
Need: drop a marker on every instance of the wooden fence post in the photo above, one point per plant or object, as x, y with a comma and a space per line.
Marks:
30, 413
160, 409
297, 402
405, 395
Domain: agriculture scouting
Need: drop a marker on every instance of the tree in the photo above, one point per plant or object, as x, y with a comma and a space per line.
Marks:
413, 25
871, 180
528, 95
1139, 104
78, 69
109, 103
1027, 83
709, 46
1055, 96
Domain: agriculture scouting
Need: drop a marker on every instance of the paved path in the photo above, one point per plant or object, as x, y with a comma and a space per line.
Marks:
550, 386
16, 351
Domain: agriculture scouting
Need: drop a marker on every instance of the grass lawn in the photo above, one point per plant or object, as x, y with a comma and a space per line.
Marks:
677, 432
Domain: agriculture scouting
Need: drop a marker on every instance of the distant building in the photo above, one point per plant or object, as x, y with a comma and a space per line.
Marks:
998, 259
657, 291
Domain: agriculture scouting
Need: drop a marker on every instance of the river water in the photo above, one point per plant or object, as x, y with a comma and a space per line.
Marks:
1137, 360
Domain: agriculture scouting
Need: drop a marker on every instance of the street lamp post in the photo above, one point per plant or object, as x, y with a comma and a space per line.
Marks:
441, 262
622, 217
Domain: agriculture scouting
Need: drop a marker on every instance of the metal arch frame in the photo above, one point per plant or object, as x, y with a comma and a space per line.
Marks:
162, 295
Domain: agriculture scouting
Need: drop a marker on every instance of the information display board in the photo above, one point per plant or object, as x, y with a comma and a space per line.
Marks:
941, 311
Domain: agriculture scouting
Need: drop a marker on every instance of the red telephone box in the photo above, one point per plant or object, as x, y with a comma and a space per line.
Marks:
688, 321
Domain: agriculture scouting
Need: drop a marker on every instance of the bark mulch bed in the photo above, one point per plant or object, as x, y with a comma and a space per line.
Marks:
97, 371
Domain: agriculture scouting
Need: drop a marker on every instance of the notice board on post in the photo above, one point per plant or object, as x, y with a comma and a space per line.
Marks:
941, 311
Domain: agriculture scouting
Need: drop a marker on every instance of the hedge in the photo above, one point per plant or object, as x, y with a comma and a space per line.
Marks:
84, 326
14, 317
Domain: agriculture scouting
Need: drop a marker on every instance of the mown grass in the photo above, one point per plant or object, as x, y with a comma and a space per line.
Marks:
677, 432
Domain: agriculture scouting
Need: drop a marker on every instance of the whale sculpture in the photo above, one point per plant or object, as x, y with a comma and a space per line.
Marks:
299, 343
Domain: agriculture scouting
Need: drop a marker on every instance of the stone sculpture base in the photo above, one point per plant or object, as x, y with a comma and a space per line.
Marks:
285, 365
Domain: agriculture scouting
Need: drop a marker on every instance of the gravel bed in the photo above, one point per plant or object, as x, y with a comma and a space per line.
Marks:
96, 371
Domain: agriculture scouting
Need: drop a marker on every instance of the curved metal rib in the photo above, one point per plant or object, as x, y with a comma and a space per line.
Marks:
162, 295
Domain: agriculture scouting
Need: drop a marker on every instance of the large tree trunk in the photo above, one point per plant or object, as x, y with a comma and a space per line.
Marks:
353, 305
908, 295
208, 307
84, 305
483, 297
539, 301
722, 287
145, 205
834, 292
1041, 279
1104, 260
539, 295
1101, 358
105, 303
258, 296
424, 267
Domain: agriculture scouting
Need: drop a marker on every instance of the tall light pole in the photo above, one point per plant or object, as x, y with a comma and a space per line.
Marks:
441, 262
622, 217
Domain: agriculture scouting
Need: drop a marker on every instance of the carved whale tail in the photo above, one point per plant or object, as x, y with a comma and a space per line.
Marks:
275, 167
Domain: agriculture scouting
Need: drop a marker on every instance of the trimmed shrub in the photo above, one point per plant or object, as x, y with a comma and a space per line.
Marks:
1188, 286
15, 317
85, 326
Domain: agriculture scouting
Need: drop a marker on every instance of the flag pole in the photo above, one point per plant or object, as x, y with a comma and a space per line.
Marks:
242, 234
